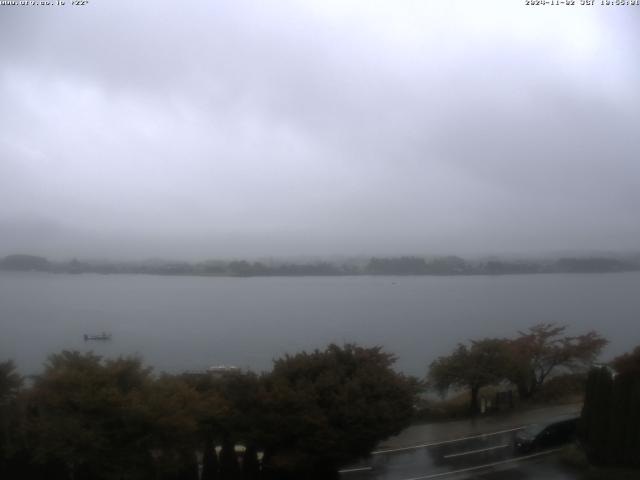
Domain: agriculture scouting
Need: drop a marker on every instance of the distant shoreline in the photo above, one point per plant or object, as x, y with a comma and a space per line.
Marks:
375, 266
345, 275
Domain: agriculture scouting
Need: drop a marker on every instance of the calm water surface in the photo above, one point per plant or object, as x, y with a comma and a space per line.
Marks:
178, 323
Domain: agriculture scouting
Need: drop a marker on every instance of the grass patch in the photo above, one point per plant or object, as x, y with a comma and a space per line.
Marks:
567, 388
559, 390
454, 406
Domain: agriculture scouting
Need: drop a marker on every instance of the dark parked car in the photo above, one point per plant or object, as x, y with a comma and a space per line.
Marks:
546, 435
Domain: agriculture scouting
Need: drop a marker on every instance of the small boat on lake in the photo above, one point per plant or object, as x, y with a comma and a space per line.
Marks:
102, 336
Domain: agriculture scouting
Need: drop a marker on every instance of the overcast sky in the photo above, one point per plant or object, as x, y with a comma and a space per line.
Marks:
204, 129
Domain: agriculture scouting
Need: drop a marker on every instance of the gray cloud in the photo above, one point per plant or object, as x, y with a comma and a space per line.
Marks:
246, 128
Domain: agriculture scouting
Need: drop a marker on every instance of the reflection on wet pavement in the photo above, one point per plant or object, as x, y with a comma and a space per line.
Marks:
488, 456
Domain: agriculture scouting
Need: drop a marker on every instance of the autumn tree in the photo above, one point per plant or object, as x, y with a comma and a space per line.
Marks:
10, 384
174, 412
543, 349
233, 407
10, 381
483, 362
90, 418
94, 419
328, 407
628, 363
85, 418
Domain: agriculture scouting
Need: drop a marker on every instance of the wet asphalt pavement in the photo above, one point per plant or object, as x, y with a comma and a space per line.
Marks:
484, 456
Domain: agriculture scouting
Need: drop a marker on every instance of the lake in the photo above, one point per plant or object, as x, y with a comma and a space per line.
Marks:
189, 323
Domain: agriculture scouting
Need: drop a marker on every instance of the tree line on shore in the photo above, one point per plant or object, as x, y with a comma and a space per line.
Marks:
403, 265
85, 417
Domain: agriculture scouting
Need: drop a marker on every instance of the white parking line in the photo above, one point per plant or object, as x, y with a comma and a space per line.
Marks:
435, 444
353, 470
487, 465
471, 452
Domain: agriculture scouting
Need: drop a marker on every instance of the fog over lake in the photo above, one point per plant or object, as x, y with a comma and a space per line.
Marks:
237, 129
184, 323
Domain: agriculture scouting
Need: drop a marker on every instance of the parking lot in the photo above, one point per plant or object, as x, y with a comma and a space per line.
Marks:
488, 455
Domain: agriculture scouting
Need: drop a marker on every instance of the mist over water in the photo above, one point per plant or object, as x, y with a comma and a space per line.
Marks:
186, 323
225, 182
313, 130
